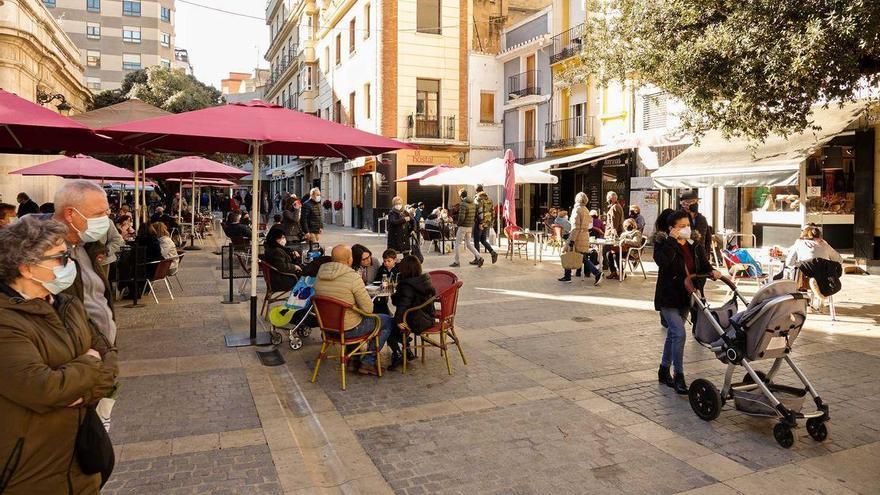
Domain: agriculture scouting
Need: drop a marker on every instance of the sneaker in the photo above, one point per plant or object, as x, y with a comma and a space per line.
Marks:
599, 278
480, 262
494, 257
564, 279
454, 265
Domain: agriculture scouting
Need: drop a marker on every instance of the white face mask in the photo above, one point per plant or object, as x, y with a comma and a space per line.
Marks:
282, 241
96, 228
318, 199
64, 277
684, 233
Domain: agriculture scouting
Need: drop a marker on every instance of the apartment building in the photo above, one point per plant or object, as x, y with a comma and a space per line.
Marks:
39, 63
397, 68
117, 36
244, 86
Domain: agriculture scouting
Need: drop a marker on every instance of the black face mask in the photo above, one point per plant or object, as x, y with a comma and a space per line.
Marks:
694, 208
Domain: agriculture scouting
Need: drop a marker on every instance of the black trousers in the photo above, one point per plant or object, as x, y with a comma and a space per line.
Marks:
481, 237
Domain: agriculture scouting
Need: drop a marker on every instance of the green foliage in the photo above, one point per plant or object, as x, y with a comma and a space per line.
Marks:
169, 89
744, 67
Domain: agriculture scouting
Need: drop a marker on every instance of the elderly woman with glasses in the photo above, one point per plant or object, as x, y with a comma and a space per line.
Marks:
53, 363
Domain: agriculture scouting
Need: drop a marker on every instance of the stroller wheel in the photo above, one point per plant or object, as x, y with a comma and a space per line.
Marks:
304, 332
705, 399
817, 429
784, 435
276, 337
296, 343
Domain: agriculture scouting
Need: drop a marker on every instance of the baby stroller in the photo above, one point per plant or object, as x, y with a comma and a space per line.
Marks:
766, 329
297, 311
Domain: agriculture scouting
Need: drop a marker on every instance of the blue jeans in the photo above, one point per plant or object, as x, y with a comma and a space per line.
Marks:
366, 326
673, 349
588, 267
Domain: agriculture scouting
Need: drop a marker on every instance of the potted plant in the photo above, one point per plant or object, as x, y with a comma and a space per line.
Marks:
337, 213
328, 214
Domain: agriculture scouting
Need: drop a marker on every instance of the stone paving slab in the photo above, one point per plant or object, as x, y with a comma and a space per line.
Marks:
234, 471
174, 405
842, 378
547, 446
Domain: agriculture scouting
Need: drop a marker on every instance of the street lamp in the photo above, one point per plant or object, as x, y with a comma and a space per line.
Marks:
63, 107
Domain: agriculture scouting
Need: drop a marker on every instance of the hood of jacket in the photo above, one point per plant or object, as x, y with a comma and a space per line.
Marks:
11, 300
333, 270
421, 284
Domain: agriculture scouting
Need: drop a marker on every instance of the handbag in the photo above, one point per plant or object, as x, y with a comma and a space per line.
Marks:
571, 259
93, 448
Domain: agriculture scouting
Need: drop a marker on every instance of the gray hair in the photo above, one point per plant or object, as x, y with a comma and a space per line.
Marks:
611, 194
314, 190
25, 242
581, 198
73, 193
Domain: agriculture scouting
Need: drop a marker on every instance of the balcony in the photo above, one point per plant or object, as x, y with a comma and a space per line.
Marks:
567, 133
567, 44
278, 72
525, 151
524, 84
421, 127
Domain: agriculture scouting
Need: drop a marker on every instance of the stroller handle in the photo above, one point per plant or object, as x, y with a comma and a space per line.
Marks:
689, 282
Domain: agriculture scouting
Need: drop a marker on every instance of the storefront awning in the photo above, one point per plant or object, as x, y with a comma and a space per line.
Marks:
588, 156
719, 162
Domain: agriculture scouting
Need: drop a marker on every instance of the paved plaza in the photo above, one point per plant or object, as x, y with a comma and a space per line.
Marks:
559, 396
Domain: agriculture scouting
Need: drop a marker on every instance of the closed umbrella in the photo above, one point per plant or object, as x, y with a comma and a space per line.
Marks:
252, 128
78, 167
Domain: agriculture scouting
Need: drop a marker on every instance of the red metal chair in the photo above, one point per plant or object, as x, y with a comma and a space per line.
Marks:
441, 279
443, 330
517, 241
331, 319
273, 295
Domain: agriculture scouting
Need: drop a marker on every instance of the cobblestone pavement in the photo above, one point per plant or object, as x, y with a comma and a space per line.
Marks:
559, 396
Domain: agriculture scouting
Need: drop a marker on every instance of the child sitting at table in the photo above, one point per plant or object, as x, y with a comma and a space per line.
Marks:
388, 269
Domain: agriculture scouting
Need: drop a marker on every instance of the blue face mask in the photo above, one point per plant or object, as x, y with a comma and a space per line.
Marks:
96, 228
64, 277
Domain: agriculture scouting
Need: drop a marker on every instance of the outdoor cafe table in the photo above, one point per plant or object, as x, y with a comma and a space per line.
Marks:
599, 241
376, 291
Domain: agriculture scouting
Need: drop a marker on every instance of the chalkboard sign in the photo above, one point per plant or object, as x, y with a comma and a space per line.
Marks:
555, 195
595, 196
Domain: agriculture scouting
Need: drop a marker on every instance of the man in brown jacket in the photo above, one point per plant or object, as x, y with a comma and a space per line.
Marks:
615, 214
336, 279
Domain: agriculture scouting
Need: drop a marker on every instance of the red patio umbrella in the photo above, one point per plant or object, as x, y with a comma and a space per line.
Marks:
28, 128
79, 167
424, 174
253, 128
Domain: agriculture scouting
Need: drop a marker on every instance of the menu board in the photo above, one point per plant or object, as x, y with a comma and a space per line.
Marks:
556, 195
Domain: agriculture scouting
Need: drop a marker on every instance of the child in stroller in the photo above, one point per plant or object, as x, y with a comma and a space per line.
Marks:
766, 329
297, 311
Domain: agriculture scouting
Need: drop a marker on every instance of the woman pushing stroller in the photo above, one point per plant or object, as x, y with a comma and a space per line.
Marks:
678, 254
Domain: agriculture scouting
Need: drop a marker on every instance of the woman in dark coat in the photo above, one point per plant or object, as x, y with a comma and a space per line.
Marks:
677, 255
399, 225
414, 288
290, 216
280, 259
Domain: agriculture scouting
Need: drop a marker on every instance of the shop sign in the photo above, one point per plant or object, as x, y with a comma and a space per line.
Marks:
337, 167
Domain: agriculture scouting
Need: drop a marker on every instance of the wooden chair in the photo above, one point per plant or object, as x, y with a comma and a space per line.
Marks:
517, 242
272, 295
442, 334
331, 320
555, 240
160, 274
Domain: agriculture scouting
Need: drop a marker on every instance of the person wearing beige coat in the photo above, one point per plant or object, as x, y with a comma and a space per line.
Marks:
579, 239
336, 279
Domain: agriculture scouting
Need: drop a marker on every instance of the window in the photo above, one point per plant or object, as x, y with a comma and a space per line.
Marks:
93, 58
131, 61
93, 5
165, 39
292, 103
164, 62
49, 4
654, 111
351, 35
165, 14
338, 48
367, 100
284, 101
131, 34
305, 78
578, 112
487, 107
326, 58
351, 114
337, 112
427, 98
131, 8
428, 16
366, 21
93, 30
327, 113
93, 82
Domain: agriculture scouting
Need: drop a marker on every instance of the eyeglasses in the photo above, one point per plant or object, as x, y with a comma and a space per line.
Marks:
63, 256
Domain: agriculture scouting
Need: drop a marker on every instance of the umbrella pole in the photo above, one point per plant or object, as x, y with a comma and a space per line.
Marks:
137, 196
253, 338
192, 224
144, 210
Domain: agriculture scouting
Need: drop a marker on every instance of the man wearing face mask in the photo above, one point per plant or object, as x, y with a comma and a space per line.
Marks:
310, 217
690, 203
82, 207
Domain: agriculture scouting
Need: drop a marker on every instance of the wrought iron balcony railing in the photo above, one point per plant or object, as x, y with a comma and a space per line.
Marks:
421, 126
569, 132
524, 84
525, 151
567, 44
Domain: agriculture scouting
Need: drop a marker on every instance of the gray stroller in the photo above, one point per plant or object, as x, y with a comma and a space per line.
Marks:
766, 329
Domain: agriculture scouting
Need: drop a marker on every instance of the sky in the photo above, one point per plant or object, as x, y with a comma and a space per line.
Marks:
218, 42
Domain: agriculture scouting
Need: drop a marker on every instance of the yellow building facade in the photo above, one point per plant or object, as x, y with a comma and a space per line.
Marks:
36, 56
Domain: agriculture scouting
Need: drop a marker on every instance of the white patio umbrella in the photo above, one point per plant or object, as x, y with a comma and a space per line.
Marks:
489, 173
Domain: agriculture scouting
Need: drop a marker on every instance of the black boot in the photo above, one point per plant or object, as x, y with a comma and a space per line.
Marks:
664, 377
396, 360
679, 384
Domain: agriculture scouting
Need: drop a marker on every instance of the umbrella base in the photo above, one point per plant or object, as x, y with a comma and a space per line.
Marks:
244, 340
228, 301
